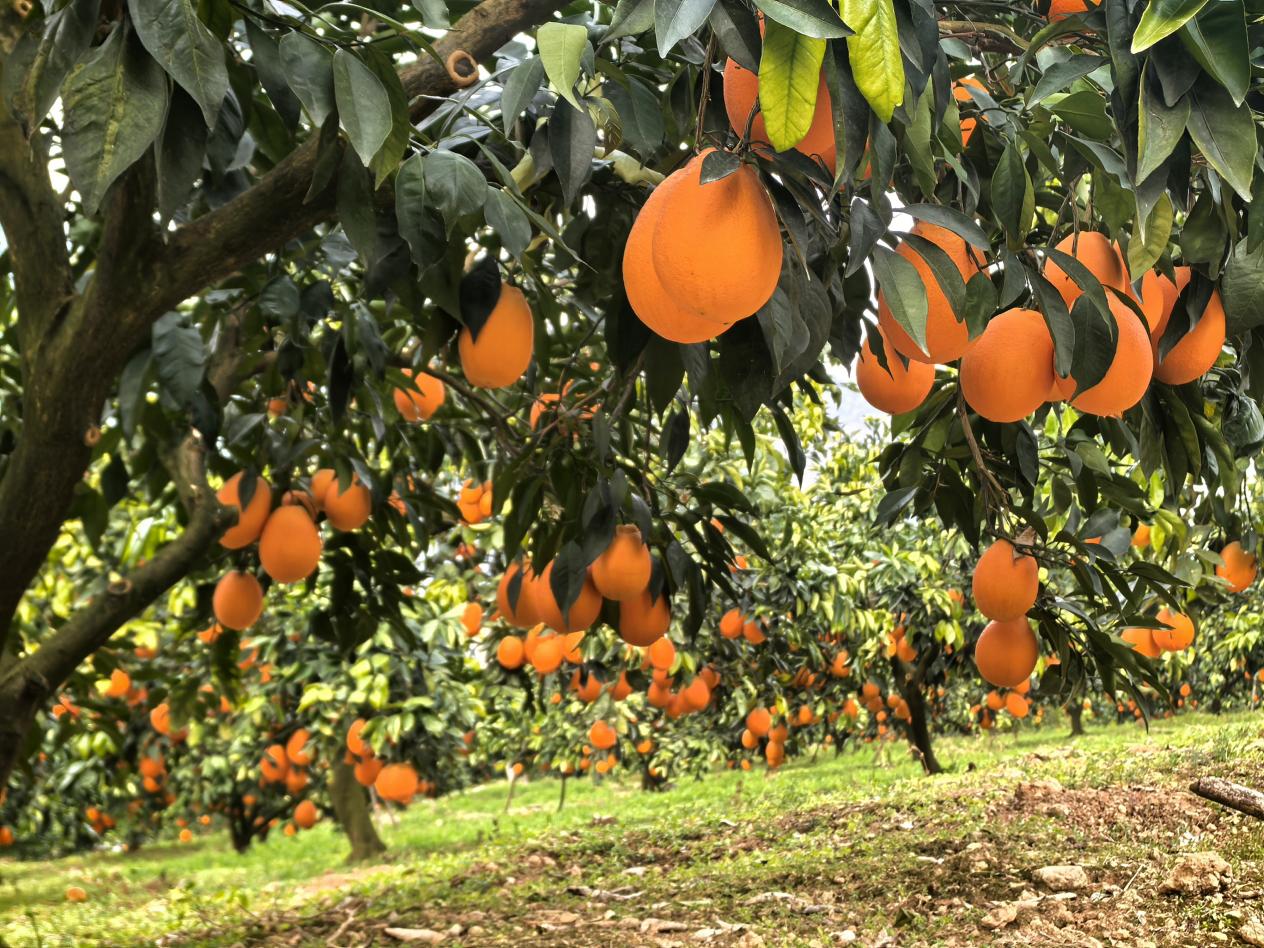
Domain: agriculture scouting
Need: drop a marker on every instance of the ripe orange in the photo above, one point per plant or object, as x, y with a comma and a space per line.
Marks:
759, 721
367, 770
717, 247
662, 653
1198, 349
994, 700
511, 652
1141, 535
653, 305
1142, 640
296, 748
697, 694
415, 406
961, 92
546, 657
523, 613
75, 893
946, 337
249, 521
274, 765
1101, 257
296, 781
582, 613
355, 743
1017, 705
502, 352
1006, 582
120, 684
306, 814
602, 736
238, 600
896, 389
1158, 299
753, 632
290, 546
1007, 372
319, 485
1006, 652
741, 90
349, 509
1061, 9
1178, 633
1239, 567
1128, 377
472, 618
622, 572
396, 782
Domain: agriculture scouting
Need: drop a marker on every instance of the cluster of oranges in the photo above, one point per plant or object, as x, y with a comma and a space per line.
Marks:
287, 763
1007, 372
1014, 701
735, 625
397, 782
475, 501
1005, 585
760, 726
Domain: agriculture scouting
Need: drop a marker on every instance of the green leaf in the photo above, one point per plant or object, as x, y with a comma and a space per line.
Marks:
631, 18
521, 85
67, 35
874, 51
185, 48
454, 185
1012, 194
903, 292
1162, 18
114, 103
1224, 133
1150, 240
737, 30
179, 153
1217, 37
810, 17
952, 219
364, 107
1085, 112
1159, 128
179, 356
562, 47
308, 68
392, 151
1242, 288
434, 13
640, 112
508, 220
1060, 75
789, 78
572, 139
676, 19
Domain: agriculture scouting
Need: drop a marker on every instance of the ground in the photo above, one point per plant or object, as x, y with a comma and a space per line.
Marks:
842, 850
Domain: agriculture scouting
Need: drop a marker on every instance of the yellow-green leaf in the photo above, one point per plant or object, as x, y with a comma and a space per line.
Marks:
789, 77
1149, 241
875, 54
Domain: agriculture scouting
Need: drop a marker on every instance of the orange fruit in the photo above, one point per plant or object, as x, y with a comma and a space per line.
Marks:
546, 658
296, 748
420, 405
994, 700
717, 247
319, 485
1141, 536
355, 743
661, 312
75, 893
1239, 567
523, 614
120, 684
1061, 9
697, 693
1198, 349
249, 521
946, 337
366, 771
238, 600
274, 765
1128, 377
1006, 582
1007, 372
582, 613
396, 782
511, 652
741, 90
472, 618
662, 653
306, 814
759, 721
623, 570
1017, 705
731, 624
296, 781
502, 352
602, 736
961, 92
1178, 631
896, 389
753, 632
1100, 257
290, 546
1142, 640
349, 509
1006, 652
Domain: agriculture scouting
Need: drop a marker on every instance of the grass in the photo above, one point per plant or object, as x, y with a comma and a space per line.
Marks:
799, 857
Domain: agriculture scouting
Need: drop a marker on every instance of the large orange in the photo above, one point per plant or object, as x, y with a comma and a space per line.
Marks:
1158, 299
1198, 349
306, 814
501, 353
582, 613
946, 337
1099, 256
290, 547
396, 782
741, 89
249, 521
347, 509
1061, 9
717, 246
1007, 372
1239, 567
643, 621
414, 406
511, 652
1177, 632
1006, 652
661, 312
895, 389
1128, 377
523, 613
238, 600
623, 570
602, 736
296, 748
1005, 582
1142, 640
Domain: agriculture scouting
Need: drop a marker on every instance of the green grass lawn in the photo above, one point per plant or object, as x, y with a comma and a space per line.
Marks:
798, 857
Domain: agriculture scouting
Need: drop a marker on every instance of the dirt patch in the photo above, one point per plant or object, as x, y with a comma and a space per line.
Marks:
1134, 812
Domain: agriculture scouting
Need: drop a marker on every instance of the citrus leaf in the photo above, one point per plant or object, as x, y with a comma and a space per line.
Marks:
562, 48
185, 48
1224, 133
308, 70
364, 107
1159, 129
676, 19
789, 77
810, 17
1162, 18
903, 292
874, 51
1150, 240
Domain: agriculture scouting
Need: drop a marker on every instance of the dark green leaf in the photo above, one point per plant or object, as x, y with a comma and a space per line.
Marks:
903, 292
308, 68
572, 139
179, 356
640, 113
676, 19
508, 220
1224, 133
521, 85
810, 17
185, 48
364, 108
738, 32
1163, 18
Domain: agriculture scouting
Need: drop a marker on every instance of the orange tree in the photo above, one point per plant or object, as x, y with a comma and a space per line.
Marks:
331, 260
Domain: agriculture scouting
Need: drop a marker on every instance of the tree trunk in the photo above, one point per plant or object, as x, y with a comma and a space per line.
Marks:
351, 807
1233, 795
919, 733
1075, 711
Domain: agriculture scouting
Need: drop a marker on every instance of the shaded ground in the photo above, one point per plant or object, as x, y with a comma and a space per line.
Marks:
837, 853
